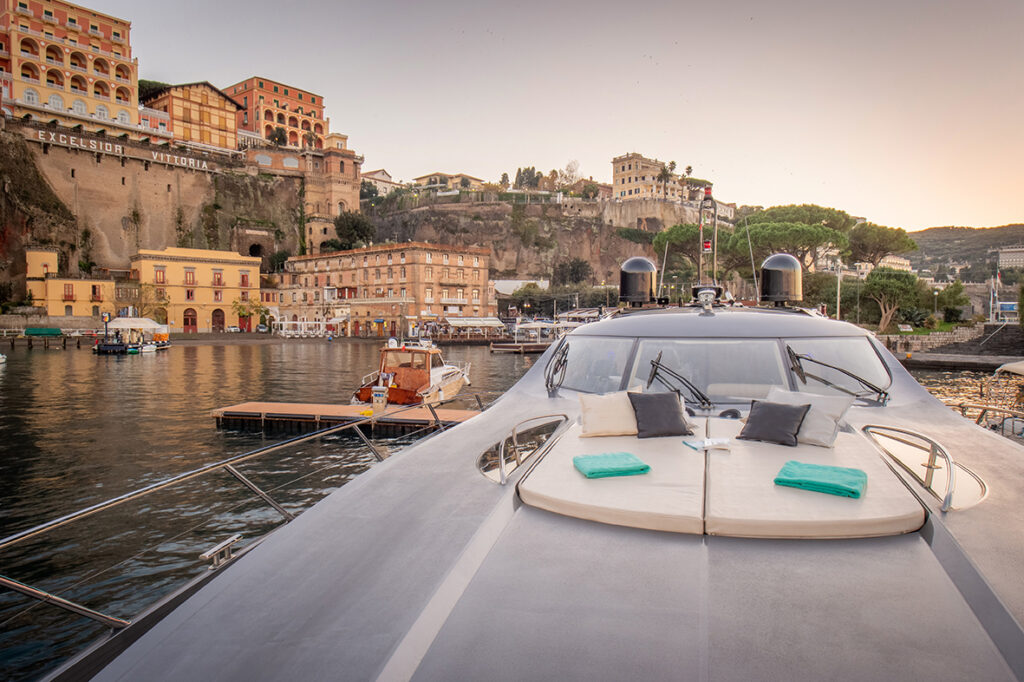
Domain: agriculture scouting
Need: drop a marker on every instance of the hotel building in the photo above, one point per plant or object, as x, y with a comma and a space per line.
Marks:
67, 64
266, 105
197, 114
450, 180
376, 290
65, 296
634, 176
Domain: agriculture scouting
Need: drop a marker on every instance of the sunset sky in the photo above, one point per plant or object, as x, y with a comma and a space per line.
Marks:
909, 113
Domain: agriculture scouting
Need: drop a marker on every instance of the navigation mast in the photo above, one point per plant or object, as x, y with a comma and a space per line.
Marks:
708, 213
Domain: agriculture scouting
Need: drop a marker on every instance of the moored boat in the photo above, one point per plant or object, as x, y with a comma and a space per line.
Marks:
413, 374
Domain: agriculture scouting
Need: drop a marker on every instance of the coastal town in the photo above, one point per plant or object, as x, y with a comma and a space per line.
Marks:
474, 341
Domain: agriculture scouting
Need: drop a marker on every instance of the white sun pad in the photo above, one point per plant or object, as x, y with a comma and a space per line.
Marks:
743, 501
669, 497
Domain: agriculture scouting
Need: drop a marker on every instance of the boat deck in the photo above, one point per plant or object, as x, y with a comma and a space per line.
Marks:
306, 417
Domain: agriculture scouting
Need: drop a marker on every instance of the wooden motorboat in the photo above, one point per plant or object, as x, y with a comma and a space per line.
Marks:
413, 374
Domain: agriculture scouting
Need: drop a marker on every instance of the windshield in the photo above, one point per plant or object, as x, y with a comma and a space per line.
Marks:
855, 355
596, 364
727, 370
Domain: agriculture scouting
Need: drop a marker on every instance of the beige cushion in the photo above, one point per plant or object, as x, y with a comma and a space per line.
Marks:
610, 414
670, 497
743, 500
821, 424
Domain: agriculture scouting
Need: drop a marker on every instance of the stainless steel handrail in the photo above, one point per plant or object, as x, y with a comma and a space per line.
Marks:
48, 598
502, 474
223, 464
934, 449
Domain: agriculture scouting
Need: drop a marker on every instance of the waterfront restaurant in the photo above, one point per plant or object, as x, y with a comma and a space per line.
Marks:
388, 289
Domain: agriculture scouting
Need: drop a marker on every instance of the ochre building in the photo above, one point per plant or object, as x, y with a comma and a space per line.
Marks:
199, 288
71, 65
267, 104
64, 296
634, 176
198, 115
387, 289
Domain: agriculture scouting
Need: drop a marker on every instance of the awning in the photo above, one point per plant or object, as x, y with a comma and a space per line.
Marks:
143, 323
475, 322
43, 331
379, 320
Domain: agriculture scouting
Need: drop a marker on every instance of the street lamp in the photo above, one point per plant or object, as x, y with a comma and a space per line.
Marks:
935, 308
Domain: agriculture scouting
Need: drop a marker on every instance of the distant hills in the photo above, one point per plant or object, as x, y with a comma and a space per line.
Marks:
974, 245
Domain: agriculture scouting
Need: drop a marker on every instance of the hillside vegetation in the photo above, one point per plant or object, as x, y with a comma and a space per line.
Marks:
974, 245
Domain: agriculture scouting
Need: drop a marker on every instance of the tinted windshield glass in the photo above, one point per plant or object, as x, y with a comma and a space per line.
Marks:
596, 364
852, 354
725, 369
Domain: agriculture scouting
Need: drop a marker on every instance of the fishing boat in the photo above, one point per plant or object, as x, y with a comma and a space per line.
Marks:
413, 374
487, 552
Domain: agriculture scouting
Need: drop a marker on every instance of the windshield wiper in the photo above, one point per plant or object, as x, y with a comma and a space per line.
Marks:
658, 369
796, 361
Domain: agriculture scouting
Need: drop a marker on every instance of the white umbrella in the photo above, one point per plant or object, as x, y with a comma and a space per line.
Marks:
141, 323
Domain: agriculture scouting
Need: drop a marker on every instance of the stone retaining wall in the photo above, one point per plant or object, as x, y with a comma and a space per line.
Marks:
917, 343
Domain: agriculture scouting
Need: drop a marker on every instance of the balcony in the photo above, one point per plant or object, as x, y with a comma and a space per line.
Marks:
73, 26
25, 10
79, 69
122, 81
218, 283
28, 55
97, 298
50, 19
428, 299
454, 301
28, 79
79, 92
94, 32
69, 297
118, 39
4, 53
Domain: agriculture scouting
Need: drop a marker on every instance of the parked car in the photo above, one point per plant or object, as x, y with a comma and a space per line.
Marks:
262, 328
232, 329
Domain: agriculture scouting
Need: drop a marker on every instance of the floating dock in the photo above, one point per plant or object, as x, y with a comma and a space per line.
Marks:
396, 420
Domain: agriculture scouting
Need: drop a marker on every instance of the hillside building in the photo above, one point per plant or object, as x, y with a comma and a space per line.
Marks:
634, 176
387, 289
197, 114
382, 180
1011, 257
70, 65
266, 105
449, 181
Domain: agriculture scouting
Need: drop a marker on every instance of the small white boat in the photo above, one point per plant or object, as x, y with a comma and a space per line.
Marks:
148, 348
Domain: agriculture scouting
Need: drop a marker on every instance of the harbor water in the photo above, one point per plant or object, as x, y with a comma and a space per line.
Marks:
77, 429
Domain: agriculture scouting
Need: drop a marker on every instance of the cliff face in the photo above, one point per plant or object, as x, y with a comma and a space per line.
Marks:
30, 213
99, 209
525, 240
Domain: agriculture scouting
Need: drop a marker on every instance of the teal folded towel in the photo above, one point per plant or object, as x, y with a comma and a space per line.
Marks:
610, 464
823, 479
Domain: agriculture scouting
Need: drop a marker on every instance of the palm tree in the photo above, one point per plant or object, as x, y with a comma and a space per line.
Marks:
663, 177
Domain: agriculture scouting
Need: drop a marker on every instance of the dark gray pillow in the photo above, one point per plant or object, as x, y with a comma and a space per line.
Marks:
658, 414
774, 422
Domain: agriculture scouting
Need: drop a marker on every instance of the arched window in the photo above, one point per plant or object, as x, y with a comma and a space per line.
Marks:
56, 102
102, 112
123, 117
78, 106
30, 96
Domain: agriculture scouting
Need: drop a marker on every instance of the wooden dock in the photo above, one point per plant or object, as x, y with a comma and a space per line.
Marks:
521, 348
306, 417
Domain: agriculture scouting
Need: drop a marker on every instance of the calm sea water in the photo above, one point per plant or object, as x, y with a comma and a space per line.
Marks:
76, 429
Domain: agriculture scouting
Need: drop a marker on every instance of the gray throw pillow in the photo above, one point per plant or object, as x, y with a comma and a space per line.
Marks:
774, 422
658, 414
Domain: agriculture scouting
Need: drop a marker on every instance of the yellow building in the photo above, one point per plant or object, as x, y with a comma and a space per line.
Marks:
634, 176
450, 180
199, 115
199, 287
65, 296
69, 64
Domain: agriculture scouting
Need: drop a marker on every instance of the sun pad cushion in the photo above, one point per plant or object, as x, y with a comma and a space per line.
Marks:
670, 497
610, 414
743, 500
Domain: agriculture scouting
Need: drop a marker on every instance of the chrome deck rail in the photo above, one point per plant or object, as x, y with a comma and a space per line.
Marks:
502, 474
226, 465
934, 449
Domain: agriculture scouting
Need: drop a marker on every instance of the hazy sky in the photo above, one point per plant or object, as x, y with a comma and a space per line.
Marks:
907, 112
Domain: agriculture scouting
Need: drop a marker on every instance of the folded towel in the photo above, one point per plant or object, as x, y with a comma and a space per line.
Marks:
610, 464
823, 479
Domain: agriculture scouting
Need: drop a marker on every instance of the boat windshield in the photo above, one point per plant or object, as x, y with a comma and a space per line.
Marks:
596, 364
727, 370
855, 355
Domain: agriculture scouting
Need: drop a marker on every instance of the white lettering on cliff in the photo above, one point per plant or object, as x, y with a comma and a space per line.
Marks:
99, 146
